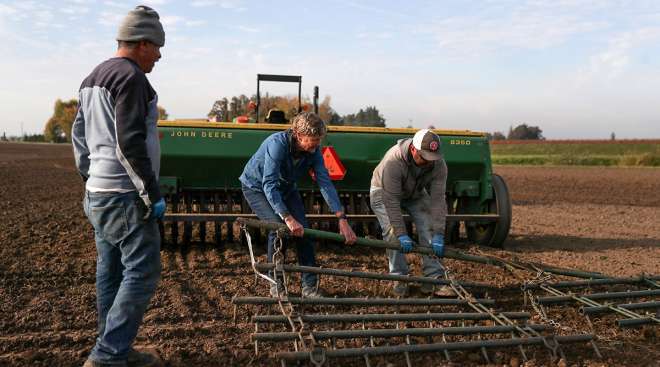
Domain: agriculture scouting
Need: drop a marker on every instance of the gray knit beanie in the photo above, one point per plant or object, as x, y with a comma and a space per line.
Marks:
142, 24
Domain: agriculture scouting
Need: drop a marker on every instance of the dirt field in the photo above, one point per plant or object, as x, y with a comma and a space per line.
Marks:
600, 219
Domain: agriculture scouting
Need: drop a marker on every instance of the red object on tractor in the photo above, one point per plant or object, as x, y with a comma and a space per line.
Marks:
332, 163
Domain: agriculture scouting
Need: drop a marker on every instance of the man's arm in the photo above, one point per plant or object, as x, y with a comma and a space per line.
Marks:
80, 149
131, 129
392, 180
275, 154
438, 200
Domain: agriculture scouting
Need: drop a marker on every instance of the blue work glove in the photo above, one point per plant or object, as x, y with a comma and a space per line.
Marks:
406, 243
158, 209
438, 244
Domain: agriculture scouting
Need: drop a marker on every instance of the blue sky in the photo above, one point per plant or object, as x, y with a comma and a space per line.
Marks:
576, 68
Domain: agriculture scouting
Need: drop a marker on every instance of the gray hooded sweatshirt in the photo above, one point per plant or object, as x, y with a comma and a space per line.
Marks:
400, 179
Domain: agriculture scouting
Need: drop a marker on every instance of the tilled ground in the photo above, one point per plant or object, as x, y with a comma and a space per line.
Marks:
600, 219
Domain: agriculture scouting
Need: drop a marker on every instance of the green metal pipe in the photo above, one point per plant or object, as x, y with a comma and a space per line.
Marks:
388, 317
583, 283
627, 306
367, 275
436, 347
596, 296
358, 301
623, 323
390, 333
449, 253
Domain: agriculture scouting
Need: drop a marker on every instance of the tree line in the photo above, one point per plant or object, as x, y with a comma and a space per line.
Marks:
228, 109
520, 132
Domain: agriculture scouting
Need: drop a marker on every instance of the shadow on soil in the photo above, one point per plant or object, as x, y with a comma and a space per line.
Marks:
575, 244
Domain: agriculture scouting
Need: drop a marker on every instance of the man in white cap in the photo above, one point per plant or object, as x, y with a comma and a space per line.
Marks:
117, 152
412, 177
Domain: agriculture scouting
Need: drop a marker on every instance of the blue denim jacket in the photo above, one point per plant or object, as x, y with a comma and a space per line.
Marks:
272, 170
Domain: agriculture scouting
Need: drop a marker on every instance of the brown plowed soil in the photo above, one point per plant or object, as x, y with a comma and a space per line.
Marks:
599, 219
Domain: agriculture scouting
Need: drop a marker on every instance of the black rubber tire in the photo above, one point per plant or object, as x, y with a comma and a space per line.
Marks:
495, 233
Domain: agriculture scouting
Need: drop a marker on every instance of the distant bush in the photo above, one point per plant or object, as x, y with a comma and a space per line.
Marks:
525, 132
646, 159
36, 138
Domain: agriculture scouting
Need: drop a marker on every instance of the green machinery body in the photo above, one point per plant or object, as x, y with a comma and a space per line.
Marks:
205, 157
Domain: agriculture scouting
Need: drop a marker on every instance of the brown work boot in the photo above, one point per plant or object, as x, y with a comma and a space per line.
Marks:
313, 292
146, 358
427, 288
444, 291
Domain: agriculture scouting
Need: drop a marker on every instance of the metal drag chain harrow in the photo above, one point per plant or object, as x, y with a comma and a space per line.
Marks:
503, 320
591, 306
307, 341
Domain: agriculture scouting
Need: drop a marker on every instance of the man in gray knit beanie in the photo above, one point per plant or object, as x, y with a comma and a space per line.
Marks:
117, 153
142, 24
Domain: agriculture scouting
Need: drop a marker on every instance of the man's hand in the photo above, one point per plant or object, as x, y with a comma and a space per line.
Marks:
438, 244
294, 226
346, 231
158, 209
406, 243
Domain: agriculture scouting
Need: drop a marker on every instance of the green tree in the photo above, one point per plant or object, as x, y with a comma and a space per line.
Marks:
226, 109
495, 136
58, 127
327, 114
218, 111
525, 132
33, 138
162, 113
370, 116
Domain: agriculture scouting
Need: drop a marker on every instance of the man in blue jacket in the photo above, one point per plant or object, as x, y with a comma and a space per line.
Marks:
269, 186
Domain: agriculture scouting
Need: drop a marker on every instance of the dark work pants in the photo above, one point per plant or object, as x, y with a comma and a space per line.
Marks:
304, 247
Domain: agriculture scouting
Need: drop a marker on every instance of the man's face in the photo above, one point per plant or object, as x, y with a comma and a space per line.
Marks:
419, 160
147, 55
308, 143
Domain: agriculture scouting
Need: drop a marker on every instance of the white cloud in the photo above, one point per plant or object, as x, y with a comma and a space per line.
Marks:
171, 20
474, 35
155, 2
616, 59
110, 19
374, 9
115, 4
7, 10
74, 10
248, 29
232, 5
531, 25
195, 23
374, 35
203, 3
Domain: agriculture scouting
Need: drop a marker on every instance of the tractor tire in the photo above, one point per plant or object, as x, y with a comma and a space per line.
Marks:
494, 234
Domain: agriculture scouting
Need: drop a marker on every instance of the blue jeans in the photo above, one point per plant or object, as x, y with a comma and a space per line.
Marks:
304, 247
420, 212
127, 270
